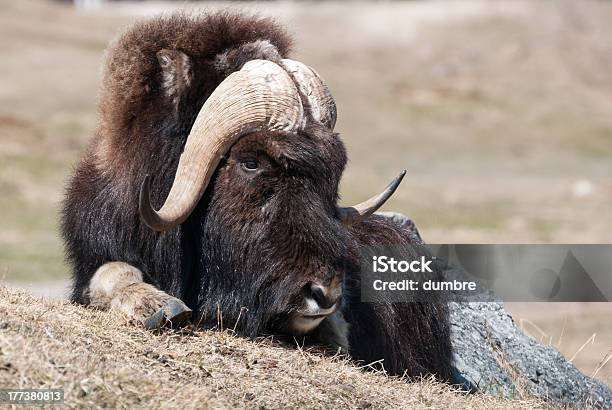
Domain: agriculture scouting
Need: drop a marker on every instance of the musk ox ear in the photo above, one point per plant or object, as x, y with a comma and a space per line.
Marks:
176, 72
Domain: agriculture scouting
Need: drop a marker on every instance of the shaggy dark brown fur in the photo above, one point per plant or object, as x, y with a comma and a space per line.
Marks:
258, 236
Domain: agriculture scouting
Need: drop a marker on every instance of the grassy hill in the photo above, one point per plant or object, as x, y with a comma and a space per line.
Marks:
103, 362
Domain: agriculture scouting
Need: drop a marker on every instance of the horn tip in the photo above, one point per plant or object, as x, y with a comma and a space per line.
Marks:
398, 179
147, 213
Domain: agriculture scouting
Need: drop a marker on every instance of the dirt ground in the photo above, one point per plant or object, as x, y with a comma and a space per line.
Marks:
500, 112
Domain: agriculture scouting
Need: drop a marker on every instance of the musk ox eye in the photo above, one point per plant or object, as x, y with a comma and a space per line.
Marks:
249, 165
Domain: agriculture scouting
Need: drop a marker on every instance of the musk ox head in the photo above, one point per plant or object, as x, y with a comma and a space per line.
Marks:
263, 145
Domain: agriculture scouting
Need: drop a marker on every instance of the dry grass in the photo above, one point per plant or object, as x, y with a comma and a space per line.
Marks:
102, 362
580, 331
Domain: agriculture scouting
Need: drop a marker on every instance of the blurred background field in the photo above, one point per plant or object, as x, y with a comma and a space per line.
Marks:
500, 111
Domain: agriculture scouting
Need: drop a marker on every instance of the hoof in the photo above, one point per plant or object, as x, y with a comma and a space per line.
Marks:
175, 313
155, 321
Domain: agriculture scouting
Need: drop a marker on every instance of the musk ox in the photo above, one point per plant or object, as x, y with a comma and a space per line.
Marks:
204, 118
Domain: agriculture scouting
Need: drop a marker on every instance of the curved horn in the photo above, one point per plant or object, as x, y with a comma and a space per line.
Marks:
354, 214
259, 96
310, 84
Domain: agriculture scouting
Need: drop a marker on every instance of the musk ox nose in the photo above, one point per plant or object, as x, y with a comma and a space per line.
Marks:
325, 297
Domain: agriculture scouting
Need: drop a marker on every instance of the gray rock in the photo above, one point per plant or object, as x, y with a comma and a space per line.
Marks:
495, 356
492, 355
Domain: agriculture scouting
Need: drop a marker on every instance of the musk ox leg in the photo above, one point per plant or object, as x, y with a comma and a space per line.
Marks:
120, 286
